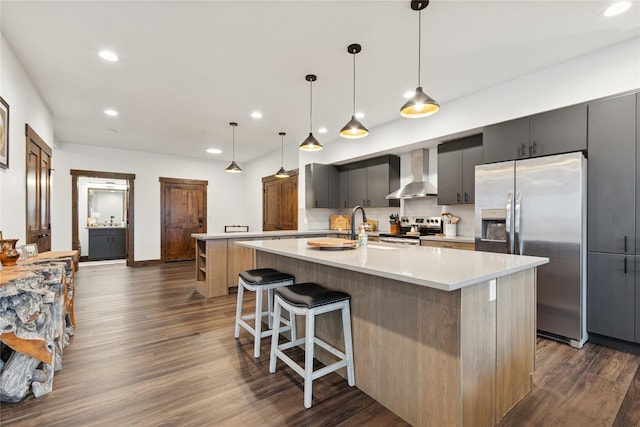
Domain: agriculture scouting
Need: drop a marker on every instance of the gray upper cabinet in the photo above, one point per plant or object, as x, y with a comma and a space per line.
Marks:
357, 185
558, 131
456, 170
343, 191
612, 175
369, 182
504, 141
321, 186
553, 132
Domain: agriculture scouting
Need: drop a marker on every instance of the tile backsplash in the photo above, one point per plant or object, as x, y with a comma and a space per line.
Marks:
318, 219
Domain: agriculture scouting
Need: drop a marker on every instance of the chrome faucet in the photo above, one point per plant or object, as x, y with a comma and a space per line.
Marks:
353, 220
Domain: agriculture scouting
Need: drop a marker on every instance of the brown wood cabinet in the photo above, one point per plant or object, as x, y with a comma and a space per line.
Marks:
280, 203
450, 245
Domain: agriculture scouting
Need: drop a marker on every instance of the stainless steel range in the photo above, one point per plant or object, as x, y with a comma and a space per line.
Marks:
411, 228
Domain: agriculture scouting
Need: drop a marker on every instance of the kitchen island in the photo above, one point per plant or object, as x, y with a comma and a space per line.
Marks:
441, 337
219, 259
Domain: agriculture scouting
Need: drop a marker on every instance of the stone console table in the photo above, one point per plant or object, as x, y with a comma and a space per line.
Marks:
36, 321
441, 337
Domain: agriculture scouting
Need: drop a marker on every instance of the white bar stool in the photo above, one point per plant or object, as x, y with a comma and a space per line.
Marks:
309, 299
259, 280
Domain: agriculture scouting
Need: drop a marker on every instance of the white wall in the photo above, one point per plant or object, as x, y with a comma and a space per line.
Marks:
600, 74
25, 106
225, 199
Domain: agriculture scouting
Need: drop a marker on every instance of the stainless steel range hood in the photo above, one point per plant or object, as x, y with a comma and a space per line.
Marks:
419, 185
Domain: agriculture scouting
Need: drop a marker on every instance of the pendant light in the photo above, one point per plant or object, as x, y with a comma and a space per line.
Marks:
233, 167
282, 173
420, 104
354, 129
310, 143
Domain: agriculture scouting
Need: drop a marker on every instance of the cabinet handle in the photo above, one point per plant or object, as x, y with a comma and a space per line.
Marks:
625, 265
625, 247
458, 197
466, 197
316, 203
368, 203
534, 148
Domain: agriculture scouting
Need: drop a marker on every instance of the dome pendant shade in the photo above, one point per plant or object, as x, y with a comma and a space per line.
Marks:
420, 105
282, 173
354, 129
233, 168
310, 144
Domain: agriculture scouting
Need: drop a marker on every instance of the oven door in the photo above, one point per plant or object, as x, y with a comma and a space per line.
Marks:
400, 240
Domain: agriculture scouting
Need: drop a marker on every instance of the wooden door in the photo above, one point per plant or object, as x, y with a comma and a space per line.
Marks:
184, 211
38, 174
270, 201
280, 203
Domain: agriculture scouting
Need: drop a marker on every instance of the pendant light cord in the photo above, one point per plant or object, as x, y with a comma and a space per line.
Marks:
419, 43
310, 106
282, 151
233, 149
354, 84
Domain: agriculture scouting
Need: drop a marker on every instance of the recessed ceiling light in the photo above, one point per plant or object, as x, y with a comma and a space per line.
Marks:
617, 8
322, 130
214, 150
110, 112
256, 115
107, 55
111, 130
409, 94
359, 115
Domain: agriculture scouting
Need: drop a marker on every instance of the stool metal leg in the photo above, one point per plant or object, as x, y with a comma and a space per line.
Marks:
270, 307
308, 359
236, 333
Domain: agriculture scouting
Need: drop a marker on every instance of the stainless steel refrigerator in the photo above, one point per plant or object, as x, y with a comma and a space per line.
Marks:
537, 207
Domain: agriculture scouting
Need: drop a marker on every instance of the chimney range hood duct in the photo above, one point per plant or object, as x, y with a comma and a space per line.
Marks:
419, 185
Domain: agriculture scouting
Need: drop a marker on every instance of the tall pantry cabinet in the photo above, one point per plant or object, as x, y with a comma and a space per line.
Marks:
613, 281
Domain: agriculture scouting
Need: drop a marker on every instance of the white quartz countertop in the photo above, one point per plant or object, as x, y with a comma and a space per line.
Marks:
457, 239
248, 234
440, 268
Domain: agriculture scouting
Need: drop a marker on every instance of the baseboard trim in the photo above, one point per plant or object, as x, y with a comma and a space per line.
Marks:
626, 346
146, 262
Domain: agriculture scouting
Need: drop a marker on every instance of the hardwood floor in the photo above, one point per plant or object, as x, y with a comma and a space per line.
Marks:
150, 351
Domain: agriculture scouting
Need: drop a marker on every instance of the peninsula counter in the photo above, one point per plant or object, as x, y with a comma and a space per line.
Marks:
442, 337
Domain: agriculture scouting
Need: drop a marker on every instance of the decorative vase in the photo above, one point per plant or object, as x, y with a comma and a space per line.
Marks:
9, 254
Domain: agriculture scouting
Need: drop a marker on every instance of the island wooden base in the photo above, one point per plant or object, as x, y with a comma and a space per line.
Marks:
433, 357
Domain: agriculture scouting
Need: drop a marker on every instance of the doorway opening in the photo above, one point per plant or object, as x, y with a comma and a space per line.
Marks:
124, 219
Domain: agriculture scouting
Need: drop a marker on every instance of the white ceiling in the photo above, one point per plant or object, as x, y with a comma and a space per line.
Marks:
187, 69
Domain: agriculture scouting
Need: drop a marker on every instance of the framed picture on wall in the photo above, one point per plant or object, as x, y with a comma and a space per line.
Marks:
4, 134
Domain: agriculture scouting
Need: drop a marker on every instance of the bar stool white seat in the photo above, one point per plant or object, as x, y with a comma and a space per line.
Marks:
310, 300
260, 280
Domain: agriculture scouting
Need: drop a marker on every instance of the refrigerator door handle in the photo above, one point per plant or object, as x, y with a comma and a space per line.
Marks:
517, 224
508, 223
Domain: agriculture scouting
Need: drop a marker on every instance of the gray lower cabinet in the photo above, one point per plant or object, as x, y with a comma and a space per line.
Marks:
107, 243
343, 189
456, 170
613, 194
611, 295
559, 131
